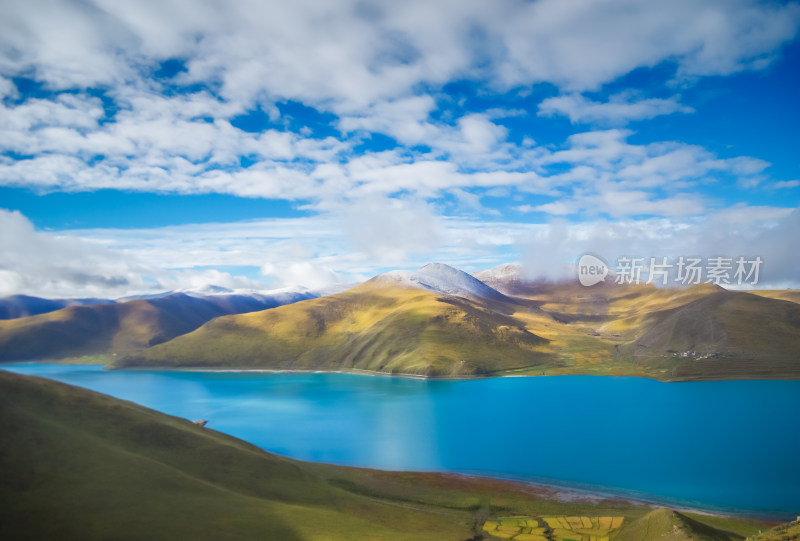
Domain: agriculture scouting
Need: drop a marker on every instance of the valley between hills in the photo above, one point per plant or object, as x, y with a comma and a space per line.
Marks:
438, 322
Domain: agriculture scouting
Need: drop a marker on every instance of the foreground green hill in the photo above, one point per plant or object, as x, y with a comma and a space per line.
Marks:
75, 464
79, 465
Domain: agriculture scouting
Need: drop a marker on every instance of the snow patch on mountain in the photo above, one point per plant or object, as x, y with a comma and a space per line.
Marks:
504, 278
440, 278
509, 271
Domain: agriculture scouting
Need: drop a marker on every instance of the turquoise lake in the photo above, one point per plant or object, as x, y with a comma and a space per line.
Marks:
725, 445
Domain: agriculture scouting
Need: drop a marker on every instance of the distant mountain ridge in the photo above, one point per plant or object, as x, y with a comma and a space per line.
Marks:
118, 327
16, 306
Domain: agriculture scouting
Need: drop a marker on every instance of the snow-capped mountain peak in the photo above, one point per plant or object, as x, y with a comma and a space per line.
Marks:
440, 278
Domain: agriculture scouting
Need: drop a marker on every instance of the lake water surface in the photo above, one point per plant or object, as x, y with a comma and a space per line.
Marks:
732, 445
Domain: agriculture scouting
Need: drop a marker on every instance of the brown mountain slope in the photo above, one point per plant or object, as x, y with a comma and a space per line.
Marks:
109, 328
792, 295
732, 333
16, 306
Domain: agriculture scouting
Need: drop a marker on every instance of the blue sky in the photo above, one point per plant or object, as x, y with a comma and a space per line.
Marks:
148, 146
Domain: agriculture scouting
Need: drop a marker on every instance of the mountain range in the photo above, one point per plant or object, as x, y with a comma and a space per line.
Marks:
113, 327
16, 306
434, 322
438, 321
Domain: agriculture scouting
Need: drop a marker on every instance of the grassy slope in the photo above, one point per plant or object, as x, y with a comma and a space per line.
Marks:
398, 330
79, 465
784, 532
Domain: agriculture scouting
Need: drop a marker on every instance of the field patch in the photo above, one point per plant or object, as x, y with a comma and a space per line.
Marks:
559, 528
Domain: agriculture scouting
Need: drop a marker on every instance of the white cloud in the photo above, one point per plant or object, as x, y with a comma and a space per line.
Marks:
379, 67
7, 88
78, 264
317, 251
351, 54
60, 265
343, 247
621, 204
308, 274
404, 119
738, 232
620, 108
200, 279
603, 164
392, 230
783, 184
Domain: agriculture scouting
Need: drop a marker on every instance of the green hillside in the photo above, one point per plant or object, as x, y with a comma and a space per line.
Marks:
385, 329
79, 465
75, 464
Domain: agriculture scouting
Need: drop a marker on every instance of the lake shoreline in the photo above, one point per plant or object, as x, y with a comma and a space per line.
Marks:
573, 493
360, 372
